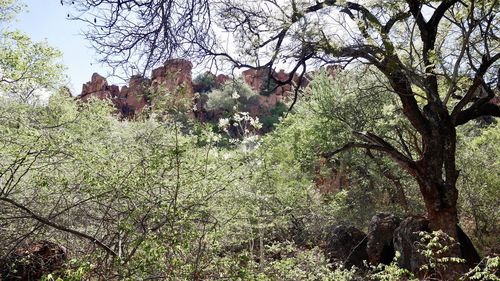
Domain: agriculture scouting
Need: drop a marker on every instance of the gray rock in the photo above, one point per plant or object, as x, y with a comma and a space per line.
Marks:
347, 245
380, 246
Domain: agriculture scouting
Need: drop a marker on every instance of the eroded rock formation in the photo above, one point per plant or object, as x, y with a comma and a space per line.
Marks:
173, 74
175, 77
132, 99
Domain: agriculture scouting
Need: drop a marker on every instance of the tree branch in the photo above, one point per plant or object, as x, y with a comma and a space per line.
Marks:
478, 81
59, 227
374, 142
473, 112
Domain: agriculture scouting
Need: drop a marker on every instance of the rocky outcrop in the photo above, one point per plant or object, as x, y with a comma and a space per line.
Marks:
380, 246
96, 84
132, 99
175, 76
270, 91
346, 245
98, 88
33, 261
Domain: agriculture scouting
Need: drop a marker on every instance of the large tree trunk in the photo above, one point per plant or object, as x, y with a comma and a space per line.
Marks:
437, 176
436, 171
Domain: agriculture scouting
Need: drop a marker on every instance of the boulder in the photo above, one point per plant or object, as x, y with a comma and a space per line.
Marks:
346, 245
405, 242
380, 246
405, 238
33, 261
469, 252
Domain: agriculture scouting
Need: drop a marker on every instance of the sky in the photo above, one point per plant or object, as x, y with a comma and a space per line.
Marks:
47, 20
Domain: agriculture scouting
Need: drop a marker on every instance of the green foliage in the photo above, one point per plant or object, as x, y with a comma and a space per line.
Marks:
391, 272
76, 270
297, 264
27, 69
269, 122
324, 122
205, 82
166, 203
161, 198
479, 157
283, 261
234, 96
487, 270
435, 247
171, 201
8, 10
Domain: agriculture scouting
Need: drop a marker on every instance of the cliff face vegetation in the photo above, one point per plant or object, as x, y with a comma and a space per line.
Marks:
211, 97
374, 156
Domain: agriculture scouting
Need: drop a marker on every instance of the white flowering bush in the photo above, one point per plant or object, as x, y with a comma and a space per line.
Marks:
241, 127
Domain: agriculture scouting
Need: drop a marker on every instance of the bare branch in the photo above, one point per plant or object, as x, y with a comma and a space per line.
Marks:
59, 227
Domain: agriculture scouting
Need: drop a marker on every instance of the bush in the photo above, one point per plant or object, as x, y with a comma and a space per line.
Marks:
205, 82
234, 96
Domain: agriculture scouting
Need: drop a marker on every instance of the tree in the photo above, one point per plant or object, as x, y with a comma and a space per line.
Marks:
233, 96
439, 58
27, 68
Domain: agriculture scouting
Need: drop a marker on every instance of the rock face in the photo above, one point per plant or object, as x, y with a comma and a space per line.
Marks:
380, 246
175, 77
132, 99
98, 87
173, 74
97, 83
33, 261
405, 238
259, 81
347, 245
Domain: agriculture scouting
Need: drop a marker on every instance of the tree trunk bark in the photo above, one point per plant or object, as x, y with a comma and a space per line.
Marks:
437, 176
